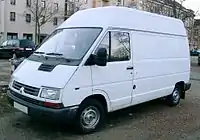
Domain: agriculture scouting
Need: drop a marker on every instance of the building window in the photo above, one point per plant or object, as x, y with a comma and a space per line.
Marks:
12, 16
43, 19
28, 18
28, 36
12, 36
56, 6
43, 3
13, 2
119, 2
28, 3
55, 21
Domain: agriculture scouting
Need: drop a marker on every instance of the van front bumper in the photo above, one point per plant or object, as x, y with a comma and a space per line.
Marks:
37, 111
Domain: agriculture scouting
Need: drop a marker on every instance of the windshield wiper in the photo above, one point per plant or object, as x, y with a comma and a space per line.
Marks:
39, 52
56, 54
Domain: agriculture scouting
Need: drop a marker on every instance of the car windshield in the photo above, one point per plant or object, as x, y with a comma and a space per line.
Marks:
70, 43
4, 44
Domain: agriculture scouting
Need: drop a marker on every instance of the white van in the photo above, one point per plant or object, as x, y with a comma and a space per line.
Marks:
101, 60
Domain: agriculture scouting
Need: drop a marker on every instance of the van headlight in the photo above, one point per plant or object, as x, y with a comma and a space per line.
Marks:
50, 93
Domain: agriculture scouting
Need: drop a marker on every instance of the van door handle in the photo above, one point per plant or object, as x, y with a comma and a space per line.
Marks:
129, 68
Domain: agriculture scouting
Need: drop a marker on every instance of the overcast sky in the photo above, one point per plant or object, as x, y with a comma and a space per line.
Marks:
192, 4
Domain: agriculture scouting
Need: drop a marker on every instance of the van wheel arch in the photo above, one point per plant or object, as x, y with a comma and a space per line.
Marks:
100, 98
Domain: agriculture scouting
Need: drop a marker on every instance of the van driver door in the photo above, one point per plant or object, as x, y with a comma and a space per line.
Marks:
116, 78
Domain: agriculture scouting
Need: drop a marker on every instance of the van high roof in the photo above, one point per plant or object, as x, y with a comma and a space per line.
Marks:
123, 17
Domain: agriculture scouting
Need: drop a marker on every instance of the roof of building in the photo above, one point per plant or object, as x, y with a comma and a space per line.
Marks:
123, 17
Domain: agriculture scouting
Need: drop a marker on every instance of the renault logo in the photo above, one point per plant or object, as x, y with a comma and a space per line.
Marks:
21, 90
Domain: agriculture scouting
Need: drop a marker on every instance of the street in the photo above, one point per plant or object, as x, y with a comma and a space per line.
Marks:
152, 120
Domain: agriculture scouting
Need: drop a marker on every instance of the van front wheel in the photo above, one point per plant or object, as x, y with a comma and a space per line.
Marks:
90, 116
175, 97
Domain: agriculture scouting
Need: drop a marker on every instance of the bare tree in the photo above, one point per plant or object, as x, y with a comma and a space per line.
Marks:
172, 8
71, 6
42, 12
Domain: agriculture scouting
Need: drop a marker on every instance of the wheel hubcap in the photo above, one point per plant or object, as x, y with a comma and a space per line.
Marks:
90, 117
176, 96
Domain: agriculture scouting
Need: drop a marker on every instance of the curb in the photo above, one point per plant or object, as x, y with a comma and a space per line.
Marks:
3, 85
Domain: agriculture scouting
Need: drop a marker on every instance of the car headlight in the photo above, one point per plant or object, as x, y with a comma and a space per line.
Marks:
50, 93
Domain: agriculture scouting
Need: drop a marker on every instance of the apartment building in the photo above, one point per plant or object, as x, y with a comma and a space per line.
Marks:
196, 34
16, 21
16, 18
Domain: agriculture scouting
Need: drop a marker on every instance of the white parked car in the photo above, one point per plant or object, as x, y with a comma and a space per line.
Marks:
101, 60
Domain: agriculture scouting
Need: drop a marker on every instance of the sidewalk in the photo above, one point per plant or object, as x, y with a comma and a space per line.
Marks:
4, 73
195, 69
195, 76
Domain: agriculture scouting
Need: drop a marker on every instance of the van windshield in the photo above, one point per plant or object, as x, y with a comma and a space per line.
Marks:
69, 43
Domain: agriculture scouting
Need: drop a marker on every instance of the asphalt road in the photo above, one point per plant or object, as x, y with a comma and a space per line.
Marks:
152, 120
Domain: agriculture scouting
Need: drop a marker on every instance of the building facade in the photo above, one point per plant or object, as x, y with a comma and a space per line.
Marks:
196, 34
17, 19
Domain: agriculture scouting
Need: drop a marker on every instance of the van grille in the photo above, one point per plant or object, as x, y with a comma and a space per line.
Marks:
46, 67
27, 89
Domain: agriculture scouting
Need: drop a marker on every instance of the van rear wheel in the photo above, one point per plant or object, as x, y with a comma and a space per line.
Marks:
90, 116
174, 98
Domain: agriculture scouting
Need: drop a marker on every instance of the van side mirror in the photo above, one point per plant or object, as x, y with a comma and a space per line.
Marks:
100, 58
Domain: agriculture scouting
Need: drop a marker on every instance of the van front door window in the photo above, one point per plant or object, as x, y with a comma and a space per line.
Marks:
117, 45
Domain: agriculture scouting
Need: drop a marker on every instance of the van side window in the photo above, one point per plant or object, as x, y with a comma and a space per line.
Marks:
117, 45
120, 46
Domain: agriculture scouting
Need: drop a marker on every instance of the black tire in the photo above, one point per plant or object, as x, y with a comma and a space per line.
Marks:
86, 106
174, 98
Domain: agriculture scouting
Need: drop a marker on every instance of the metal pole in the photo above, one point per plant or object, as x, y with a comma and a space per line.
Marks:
36, 22
123, 2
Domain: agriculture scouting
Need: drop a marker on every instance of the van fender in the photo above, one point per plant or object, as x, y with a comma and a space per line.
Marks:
105, 95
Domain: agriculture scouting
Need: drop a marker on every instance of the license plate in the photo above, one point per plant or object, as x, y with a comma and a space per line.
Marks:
21, 107
28, 49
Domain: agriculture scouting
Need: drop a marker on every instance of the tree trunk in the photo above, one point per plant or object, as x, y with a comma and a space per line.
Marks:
36, 22
39, 33
36, 33
174, 9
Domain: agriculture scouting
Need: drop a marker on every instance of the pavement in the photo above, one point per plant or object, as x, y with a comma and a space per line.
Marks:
149, 121
4, 72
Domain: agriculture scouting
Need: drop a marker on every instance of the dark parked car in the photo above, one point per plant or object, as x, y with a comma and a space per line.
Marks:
199, 59
15, 62
19, 47
194, 52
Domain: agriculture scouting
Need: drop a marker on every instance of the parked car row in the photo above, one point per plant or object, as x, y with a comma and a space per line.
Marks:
19, 47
